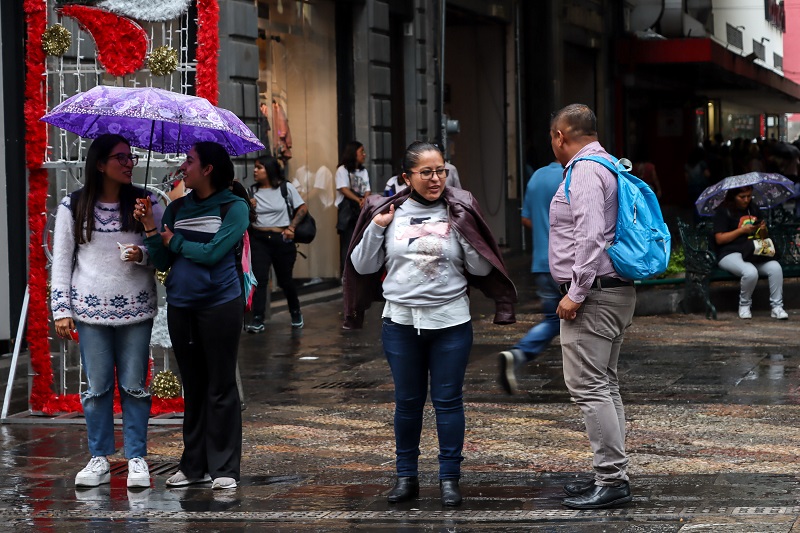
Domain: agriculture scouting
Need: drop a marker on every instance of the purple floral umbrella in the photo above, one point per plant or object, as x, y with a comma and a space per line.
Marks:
154, 119
769, 190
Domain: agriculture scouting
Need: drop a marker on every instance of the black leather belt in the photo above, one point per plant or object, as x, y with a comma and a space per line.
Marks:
598, 283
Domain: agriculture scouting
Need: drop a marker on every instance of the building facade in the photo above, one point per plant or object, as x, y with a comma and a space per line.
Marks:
480, 77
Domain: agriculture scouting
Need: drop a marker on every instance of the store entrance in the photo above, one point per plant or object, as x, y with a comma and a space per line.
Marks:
475, 95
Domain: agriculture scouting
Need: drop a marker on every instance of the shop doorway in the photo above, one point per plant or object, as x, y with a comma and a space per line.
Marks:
475, 95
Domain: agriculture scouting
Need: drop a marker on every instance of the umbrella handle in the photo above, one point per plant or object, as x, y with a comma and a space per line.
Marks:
149, 152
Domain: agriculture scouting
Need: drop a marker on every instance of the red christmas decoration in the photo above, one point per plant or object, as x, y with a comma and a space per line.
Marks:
121, 51
207, 49
121, 43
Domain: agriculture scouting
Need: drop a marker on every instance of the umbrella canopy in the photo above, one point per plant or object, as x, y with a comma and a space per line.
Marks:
769, 190
153, 119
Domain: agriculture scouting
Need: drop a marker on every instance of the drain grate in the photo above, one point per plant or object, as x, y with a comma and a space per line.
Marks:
157, 468
346, 385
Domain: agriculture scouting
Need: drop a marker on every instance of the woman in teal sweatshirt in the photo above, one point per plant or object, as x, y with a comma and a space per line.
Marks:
205, 311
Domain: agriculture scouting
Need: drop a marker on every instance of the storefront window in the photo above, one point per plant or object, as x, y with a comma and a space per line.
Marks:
297, 82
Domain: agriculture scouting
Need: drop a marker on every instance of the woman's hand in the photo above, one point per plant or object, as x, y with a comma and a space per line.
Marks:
143, 212
384, 219
749, 229
166, 235
135, 254
64, 328
288, 234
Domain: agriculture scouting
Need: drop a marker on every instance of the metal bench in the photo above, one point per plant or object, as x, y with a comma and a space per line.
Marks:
701, 259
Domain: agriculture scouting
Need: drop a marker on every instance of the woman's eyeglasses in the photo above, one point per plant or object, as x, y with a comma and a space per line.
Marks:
428, 174
124, 158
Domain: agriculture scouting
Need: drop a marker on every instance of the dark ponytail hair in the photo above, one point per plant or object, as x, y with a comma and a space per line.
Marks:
414, 153
87, 197
239, 190
211, 153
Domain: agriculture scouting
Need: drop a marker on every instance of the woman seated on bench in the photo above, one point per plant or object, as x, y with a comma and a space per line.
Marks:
735, 229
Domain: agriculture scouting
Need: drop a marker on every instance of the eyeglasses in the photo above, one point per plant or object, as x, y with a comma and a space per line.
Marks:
124, 158
428, 174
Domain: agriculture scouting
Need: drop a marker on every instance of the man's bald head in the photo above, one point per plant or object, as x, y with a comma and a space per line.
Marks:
572, 128
575, 121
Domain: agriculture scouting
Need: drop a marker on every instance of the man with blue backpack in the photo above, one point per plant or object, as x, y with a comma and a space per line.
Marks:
598, 299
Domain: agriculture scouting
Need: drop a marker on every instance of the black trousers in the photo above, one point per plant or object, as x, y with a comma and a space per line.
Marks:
206, 342
268, 249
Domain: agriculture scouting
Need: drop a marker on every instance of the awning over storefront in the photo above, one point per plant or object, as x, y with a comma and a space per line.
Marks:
708, 69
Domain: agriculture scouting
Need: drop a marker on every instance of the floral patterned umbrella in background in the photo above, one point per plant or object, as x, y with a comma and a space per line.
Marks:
769, 190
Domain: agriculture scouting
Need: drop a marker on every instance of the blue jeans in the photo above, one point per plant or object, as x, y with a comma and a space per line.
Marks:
126, 350
540, 335
412, 356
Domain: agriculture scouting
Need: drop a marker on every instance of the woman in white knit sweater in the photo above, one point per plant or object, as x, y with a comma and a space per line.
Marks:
108, 295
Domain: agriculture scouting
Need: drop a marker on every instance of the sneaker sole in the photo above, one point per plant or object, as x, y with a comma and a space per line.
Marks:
138, 482
508, 380
93, 482
217, 486
187, 482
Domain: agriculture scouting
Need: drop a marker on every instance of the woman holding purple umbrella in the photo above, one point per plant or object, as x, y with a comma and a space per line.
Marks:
735, 230
107, 292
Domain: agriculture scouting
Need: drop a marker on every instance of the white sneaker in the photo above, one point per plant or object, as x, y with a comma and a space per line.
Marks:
744, 312
224, 483
779, 313
179, 479
97, 472
138, 473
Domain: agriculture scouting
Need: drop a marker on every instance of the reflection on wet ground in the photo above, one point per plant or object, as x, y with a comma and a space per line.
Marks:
713, 435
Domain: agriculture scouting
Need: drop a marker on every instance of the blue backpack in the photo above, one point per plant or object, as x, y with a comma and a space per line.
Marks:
641, 244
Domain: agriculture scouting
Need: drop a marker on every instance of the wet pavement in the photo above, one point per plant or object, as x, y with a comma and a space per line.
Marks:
713, 436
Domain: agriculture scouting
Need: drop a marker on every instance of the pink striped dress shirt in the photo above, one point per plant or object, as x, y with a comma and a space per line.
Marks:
580, 229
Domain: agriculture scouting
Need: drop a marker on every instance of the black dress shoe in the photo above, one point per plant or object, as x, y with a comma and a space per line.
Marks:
576, 488
405, 489
601, 497
451, 494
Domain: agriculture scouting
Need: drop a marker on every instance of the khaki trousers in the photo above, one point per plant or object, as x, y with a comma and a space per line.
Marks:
590, 347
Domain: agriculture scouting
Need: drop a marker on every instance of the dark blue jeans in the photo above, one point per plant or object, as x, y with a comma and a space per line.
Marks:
539, 336
412, 356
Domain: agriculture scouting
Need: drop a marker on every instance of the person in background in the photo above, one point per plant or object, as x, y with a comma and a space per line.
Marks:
734, 226
646, 171
453, 179
430, 241
352, 188
536, 216
272, 239
108, 294
205, 311
597, 304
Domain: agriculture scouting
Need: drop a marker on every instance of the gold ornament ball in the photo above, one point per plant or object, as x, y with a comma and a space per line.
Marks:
166, 385
163, 60
56, 40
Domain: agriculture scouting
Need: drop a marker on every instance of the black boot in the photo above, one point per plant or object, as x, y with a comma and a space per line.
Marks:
451, 494
577, 488
406, 488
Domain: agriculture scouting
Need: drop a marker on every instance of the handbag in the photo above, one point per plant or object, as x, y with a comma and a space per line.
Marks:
306, 229
763, 248
348, 213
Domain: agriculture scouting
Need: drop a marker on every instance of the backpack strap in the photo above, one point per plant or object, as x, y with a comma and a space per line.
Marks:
613, 167
285, 194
